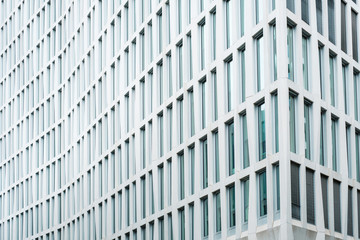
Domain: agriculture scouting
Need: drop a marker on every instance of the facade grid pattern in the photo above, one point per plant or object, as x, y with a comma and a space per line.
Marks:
179, 119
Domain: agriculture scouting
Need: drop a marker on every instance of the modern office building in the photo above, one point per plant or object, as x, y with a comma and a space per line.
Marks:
179, 119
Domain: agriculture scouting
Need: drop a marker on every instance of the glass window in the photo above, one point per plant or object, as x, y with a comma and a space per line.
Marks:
275, 121
216, 157
324, 194
346, 88
179, 17
258, 10
259, 63
262, 194
295, 190
202, 45
343, 26
354, 33
169, 128
334, 135
292, 119
161, 187
143, 197
310, 196
161, 135
350, 213
230, 148
321, 71
332, 62
204, 164
217, 208
357, 147
319, 16
273, 51
192, 169
213, 35
337, 206
305, 11
348, 150
323, 139
181, 121
180, 66
276, 173
306, 65
203, 89
229, 84
242, 84
228, 8
242, 17
160, 30
231, 206
307, 129
181, 177
245, 195
290, 4
182, 224
214, 96
205, 217
190, 56
244, 141
357, 96
191, 223
191, 112
170, 79
261, 131
160, 83
331, 20
291, 53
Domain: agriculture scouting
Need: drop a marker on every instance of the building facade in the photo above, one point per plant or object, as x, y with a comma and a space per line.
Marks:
179, 119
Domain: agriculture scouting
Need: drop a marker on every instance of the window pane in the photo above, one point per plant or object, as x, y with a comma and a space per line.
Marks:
332, 62
305, 11
290, 51
261, 131
292, 110
354, 32
205, 218
229, 85
245, 200
295, 190
260, 63
310, 196
230, 148
324, 191
343, 27
350, 213
231, 207
262, 194
181, 177
244, 141
217, 212
337, 207
204, 163
307, 129
334, 144
305, 51
331, 20
290, 4
216, 156
319, 16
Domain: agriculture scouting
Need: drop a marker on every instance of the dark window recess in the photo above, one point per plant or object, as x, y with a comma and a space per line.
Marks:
337, 206
324, 191
310, 196
305, 11
290, 4
354, 35
343, 27
350, 214
295, 190
331, 22
319, 16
